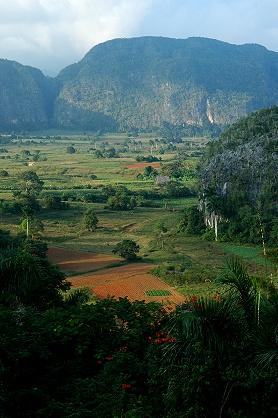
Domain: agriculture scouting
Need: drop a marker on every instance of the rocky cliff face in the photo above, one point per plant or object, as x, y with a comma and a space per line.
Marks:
142, 82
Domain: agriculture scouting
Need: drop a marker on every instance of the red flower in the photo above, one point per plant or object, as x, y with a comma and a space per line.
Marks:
126, 386
109, 358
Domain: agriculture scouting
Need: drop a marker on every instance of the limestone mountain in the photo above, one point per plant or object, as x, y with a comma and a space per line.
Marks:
26, 97
142, 82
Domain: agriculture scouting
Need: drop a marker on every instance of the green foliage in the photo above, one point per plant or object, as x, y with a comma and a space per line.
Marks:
158, 292
147, 158
4, 173
70, 150
173, 273
54, 202
173, 170
122, 201
192, 221
26, 205
31, 184
106, 153
32, 226
145, 73
239, 179
62, 355
127, 249
27, 278
150, 172
171, 133
90, 220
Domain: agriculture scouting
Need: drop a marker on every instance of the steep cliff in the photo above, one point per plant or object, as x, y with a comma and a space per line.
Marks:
142, 82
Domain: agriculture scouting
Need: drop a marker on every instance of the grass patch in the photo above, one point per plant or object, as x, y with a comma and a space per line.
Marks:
158, 293
251, 254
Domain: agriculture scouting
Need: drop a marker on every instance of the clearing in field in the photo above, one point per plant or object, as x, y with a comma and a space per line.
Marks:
134, 281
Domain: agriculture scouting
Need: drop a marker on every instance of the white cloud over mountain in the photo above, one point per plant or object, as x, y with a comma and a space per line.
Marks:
53, 33
50, 34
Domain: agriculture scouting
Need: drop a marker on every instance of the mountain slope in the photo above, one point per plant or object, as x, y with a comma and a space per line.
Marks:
142, 82
26, 97
239, 179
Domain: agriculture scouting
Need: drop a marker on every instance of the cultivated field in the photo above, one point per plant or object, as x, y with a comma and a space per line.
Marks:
84, 181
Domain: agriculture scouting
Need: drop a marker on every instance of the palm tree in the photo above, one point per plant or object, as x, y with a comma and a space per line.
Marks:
222, 343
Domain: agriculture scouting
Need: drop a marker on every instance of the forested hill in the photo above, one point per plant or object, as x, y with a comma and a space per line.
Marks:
239, 179
26, 97
142, 82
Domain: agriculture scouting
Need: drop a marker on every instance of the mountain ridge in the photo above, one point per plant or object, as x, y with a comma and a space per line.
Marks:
142, 82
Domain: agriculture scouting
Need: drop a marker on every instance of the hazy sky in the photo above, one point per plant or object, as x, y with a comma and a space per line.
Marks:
51, 34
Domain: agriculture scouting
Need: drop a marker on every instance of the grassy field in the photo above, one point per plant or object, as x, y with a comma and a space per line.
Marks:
197, 262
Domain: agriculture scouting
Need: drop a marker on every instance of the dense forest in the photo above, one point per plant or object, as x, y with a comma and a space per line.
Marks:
65, 354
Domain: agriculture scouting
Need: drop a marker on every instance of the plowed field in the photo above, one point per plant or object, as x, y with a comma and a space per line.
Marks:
132, 281
77, 261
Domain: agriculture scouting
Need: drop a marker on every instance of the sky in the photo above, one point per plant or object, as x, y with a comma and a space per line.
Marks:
51, 34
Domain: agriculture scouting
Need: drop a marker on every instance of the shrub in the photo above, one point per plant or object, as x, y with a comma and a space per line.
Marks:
127, 249
90, 220
4, 173
71, 150
54, 202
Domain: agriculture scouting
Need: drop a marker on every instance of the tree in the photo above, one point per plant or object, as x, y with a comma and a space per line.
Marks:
32, 185
4, 173
32, 226
127, 249
171, 133
150, 172
228, 342
90, 220
173, 170
54, 202
26, 277
122, 201
71, 150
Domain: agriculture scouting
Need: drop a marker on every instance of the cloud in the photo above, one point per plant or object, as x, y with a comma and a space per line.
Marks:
53, 33
50, 34
235, 21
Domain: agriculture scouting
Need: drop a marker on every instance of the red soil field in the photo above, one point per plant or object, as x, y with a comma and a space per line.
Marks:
77, 261
137, 166
130, 281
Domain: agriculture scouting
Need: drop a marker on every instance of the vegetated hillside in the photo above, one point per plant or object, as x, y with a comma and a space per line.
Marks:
26, 97
142, 82
239, 179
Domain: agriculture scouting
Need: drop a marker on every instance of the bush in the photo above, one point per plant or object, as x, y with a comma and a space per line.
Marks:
54, 202
122, 201
192, 222
90, 220
4, 173
71, 150
127, 249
